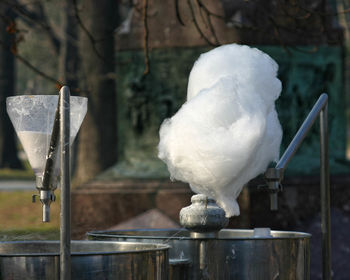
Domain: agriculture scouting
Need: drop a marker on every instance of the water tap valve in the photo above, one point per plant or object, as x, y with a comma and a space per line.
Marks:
46, 196
273, 178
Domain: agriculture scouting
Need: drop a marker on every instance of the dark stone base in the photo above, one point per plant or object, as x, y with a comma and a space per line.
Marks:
102, 204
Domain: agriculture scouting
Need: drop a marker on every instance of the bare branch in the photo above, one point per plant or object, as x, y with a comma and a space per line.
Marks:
177, 10
86, 31
13, 49
278, 35
37, 19
323, 14
286, 12
37, 71
207, 21
197, 25
146, 35
201, 5
211, 27
201, 11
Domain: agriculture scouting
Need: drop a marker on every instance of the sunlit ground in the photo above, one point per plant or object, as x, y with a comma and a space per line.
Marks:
22, 220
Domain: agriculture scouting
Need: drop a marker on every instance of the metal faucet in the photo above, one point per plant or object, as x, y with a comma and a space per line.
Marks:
46, 196
274, 176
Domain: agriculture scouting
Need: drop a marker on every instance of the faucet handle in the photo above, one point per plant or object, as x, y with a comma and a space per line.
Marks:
34, 198
266, 187
273, 178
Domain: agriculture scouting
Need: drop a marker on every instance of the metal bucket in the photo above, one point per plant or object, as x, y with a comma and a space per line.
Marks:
232, 254
33, 260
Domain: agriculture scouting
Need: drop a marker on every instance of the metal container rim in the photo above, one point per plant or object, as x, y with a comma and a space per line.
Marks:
109, 233
42, 95
153, 247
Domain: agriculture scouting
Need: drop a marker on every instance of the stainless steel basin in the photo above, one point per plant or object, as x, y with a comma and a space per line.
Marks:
233, 254
34, 260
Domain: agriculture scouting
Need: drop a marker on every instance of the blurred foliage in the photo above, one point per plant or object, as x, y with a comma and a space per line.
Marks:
36, 49
15, 174
29, 234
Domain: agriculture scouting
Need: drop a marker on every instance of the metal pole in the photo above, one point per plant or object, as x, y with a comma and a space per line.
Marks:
302, 132
203, 261
65, 253
325, 197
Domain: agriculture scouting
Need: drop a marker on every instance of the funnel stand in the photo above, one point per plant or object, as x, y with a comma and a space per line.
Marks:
65, 229
38, 119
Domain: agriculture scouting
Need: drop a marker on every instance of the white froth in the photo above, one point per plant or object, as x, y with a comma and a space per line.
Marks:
228, 130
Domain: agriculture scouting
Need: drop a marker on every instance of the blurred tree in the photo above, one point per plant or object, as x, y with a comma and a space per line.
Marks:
10, 36
85, 31
69, 59
91, 24
8, 150
98, 137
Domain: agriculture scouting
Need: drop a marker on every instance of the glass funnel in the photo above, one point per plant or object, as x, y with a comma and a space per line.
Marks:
33, 116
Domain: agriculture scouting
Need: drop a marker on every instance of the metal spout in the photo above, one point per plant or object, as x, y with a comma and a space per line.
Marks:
46, 212
45, 197
273, 177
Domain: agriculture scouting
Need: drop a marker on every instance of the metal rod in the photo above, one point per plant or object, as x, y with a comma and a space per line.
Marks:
203, 261
302, 132
52, 152
45, 198
46, 212
325, 196
65, 230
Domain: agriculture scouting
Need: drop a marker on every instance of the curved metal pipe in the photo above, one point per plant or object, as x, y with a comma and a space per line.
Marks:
302, 132
274, 176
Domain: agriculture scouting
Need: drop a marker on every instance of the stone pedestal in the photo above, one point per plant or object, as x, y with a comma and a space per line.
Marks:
103, 204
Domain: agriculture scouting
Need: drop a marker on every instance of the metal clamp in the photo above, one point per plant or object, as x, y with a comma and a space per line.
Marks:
45, 197
273, 178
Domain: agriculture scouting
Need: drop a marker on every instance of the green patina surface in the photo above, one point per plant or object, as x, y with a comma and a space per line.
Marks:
145, 103
305, 74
